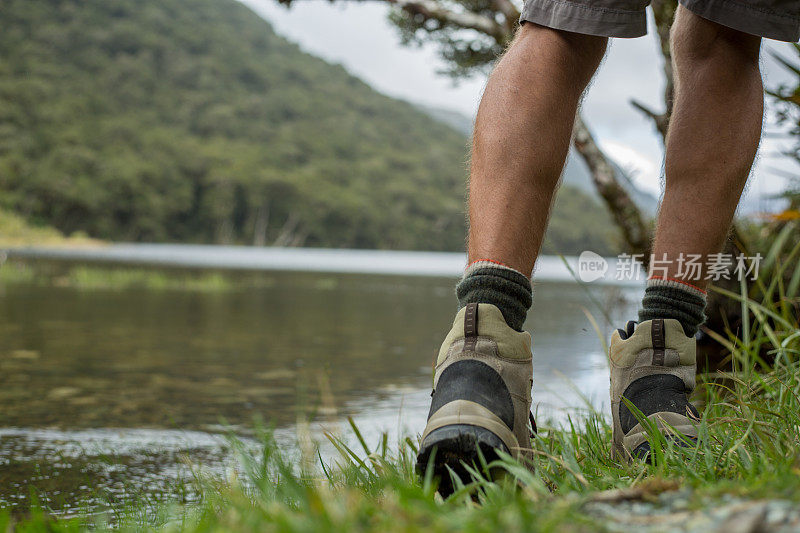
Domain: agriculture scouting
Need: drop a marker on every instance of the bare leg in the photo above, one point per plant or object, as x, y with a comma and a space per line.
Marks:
521, 138
522, 134
713, 137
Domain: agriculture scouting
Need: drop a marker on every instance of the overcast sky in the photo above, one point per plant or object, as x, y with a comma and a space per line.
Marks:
358, 36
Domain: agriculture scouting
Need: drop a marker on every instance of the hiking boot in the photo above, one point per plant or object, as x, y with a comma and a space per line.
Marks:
481, 395
653, 365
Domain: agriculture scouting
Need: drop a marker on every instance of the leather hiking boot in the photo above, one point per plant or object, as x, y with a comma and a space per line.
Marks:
653, 365
481, 395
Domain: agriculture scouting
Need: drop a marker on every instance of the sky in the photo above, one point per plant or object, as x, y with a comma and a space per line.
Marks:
359, 37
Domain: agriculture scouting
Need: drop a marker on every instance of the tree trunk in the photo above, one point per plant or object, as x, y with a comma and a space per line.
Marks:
626, 214
261, 224
287, 233
225, 231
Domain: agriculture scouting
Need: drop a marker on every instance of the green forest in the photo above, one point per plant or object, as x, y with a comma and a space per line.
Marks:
192, 121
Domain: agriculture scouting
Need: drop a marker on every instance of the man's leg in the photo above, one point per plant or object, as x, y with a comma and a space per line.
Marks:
482, 383
522, 134
711, 143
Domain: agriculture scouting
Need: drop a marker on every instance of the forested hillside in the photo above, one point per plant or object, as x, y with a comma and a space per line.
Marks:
192, 121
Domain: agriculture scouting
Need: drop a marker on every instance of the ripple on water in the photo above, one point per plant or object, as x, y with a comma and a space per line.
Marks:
85, 470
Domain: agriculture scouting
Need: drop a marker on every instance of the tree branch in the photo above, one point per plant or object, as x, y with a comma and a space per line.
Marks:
626, 214
663, 14
661, 120
468, 20
433, 10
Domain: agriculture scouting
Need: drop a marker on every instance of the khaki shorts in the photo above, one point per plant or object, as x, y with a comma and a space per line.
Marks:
773, 19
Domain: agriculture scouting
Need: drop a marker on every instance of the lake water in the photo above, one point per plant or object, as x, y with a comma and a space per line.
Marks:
105, 394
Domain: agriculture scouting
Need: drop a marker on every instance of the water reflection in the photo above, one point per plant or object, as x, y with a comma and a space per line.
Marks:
324, 345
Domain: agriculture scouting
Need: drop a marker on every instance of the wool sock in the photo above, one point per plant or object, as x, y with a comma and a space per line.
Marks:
671, 298
489, 282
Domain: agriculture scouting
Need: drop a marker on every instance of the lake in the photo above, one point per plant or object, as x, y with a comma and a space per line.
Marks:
106, 394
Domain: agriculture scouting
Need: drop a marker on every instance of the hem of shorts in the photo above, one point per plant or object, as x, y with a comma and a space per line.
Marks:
578, 18
747, 19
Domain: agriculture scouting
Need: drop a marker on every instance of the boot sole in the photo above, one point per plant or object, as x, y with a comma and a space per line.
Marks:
457, 446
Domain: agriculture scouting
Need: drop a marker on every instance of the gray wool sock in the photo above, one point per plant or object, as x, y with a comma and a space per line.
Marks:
668, 298
487, 282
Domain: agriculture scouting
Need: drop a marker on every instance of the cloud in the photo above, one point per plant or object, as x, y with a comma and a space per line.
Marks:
643, 169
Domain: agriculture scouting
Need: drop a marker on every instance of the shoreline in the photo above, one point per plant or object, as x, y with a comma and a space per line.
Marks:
321, 260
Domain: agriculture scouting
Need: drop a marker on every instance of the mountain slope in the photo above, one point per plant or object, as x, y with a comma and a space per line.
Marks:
192, 121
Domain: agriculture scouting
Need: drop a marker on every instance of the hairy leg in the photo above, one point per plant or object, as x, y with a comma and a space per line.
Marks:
522, 134
712, 140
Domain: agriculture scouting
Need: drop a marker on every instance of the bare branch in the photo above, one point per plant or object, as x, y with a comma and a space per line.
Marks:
663, 14
661, 120
626, 214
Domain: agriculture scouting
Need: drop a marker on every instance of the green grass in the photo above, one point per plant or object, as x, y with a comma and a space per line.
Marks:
750, 444
15, 231
749, 449
110, 277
